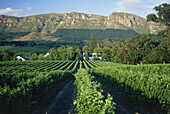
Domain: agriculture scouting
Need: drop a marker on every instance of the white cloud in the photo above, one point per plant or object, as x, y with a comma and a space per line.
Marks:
28, 8
158, 2
10, 11
138, 7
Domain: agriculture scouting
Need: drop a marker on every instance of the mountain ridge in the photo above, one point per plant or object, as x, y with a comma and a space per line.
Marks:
42, 25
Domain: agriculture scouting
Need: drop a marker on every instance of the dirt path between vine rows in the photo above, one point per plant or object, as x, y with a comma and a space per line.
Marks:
63, 101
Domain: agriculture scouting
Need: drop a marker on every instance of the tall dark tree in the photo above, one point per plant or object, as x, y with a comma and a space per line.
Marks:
87, 56
93, 43
151, 17
164, 17
163, 12
6, 57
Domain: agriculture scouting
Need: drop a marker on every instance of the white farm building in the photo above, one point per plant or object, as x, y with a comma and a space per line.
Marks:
22, 58
93, 55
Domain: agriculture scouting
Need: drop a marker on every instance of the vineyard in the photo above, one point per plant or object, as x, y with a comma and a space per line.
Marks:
147, 83
24, 85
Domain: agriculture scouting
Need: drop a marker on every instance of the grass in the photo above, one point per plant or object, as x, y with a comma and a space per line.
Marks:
5, 47
107, 64
24, 49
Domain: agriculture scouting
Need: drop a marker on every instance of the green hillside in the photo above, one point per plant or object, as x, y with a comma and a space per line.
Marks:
85, 34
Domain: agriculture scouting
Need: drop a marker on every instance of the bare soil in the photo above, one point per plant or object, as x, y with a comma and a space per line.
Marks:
63, 101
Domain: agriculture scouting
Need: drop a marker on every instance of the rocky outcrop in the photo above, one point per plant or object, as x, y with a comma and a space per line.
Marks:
127, 21
155, 27
49, 23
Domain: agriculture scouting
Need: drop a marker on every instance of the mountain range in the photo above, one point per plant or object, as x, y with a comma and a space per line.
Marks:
75, 26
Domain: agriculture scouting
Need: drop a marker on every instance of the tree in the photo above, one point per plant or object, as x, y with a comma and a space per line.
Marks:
57, 57
52, 53
108, 40
70, 53
14, 57
34, 56
48, 58
158, 54
87, 56
96, 50
151, 17
41, 57
93, 43
85, 49
107, 43
6, 57
64, 56
106, 56
163, 12
79, 57
3, 51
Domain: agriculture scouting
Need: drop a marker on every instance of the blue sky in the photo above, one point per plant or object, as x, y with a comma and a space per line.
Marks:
101, 7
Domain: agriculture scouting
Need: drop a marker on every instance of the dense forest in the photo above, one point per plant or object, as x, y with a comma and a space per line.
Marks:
41, 44
135, 50
12, 35
73, 35
84, 34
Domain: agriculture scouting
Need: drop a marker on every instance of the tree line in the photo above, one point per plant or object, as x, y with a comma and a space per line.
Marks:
138, 49
61, 53
141, 48
67, 52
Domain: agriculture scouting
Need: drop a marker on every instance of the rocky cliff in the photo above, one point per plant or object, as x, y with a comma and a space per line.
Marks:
38, 25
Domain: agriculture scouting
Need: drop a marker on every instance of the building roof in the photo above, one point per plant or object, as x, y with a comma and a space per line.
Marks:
23, 57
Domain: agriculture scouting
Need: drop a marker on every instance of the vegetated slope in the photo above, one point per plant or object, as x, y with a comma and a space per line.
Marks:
85, 34
147, 83
47, 26
24, 49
